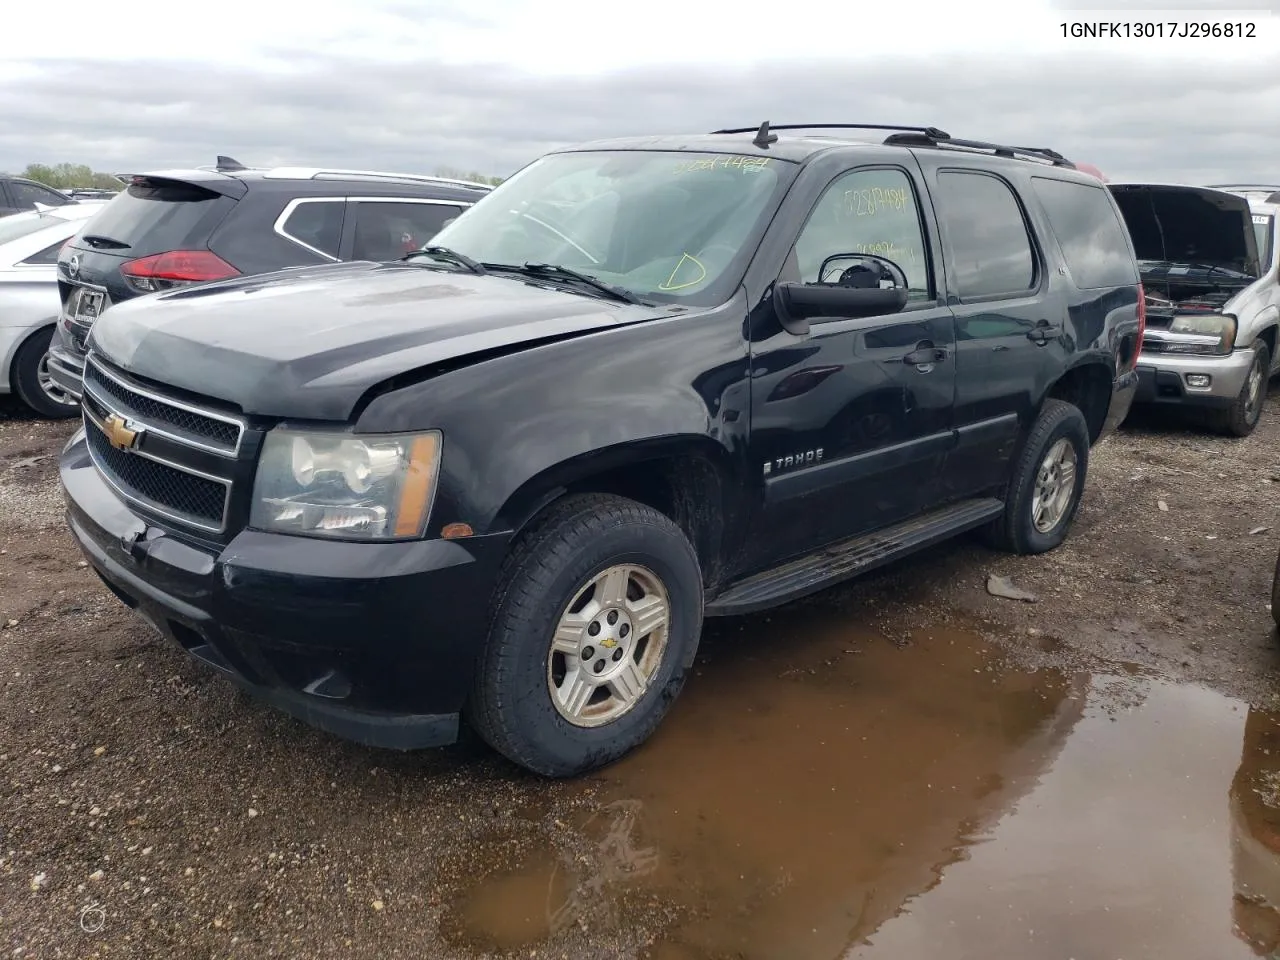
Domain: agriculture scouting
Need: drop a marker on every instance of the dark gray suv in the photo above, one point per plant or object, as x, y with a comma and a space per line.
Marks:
181, 227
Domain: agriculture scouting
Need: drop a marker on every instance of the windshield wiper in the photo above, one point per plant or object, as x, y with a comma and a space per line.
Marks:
449, 256
568, 273
96, 240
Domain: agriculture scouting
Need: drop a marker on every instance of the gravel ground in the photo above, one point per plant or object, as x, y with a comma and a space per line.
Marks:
149, 810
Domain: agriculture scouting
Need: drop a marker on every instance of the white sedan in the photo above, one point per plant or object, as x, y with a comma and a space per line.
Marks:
29, 301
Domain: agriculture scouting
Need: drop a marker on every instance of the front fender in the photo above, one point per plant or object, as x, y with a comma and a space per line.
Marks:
517, 424
1268, 316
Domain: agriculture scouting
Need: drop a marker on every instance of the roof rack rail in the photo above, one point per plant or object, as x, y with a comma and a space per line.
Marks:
981, 146
910, 137
322, 173
934, 131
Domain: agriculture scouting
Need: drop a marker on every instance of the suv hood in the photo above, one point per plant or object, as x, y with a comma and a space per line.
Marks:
1189, 225
309, 342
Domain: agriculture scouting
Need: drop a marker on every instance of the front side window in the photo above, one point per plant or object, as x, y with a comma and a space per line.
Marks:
990, 250
670, 226
866, 212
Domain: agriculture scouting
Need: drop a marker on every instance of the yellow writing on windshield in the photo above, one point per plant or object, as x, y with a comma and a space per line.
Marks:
686, 262
871, 201
745, 164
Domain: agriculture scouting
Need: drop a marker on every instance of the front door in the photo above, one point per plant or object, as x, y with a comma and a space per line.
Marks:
850, 422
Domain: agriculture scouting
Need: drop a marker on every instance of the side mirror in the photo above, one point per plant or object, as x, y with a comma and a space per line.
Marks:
799, 304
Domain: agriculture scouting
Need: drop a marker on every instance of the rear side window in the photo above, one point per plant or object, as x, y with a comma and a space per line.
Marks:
1090, 232
159, 215
387, 231
991, 253
316, 224
48, 255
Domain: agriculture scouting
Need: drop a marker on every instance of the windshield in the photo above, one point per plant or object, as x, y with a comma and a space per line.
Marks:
666, 226
1262, 230
22, 224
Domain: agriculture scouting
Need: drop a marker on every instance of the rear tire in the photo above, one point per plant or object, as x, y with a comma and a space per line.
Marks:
1047, 483
563, 685
30, 379
1240, 419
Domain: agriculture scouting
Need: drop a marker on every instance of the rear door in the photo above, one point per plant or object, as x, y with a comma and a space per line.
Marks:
1009, 330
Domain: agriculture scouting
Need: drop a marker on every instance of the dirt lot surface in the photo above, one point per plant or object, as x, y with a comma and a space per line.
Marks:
148, 810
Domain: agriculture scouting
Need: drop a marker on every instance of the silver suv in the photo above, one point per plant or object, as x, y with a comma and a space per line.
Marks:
1209, 269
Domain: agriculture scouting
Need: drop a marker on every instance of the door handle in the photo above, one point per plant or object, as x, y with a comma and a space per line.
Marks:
1043, 332
925, 354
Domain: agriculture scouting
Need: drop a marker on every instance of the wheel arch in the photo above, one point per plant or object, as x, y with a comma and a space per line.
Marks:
1269, 335
690, 479
1088, 386
19, 341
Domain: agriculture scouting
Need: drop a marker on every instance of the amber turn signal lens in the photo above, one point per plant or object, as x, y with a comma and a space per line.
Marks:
454, 531
415, 495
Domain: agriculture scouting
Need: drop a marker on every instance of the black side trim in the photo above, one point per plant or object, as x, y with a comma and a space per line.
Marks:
983, 432
799, 483
852, 557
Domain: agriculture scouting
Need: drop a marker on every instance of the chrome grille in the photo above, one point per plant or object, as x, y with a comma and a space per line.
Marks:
166, 490
167, 456
181, 420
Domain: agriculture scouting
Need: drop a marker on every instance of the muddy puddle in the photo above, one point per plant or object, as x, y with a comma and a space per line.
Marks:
818, 793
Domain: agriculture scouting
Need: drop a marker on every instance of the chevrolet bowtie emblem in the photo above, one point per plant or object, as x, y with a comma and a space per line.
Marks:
119, 435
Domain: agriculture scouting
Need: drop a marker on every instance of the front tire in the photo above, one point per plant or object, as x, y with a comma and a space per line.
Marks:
599, 611
1047, 484
33, 384
1240, 419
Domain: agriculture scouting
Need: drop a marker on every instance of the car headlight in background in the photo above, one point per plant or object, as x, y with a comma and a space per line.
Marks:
344, 486
1214, 333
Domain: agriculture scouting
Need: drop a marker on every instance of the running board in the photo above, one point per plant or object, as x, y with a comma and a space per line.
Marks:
852, 557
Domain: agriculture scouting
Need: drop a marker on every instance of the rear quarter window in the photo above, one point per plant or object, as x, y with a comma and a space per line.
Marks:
156, 216
1089, 231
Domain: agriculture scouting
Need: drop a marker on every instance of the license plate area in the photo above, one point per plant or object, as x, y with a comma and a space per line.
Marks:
85, 305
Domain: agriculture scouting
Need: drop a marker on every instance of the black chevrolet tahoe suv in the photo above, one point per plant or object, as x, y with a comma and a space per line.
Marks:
176, 228
642, 382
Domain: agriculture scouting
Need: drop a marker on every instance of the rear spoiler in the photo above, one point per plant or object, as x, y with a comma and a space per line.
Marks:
208, 180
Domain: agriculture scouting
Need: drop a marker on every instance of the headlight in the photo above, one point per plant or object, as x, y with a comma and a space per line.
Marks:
1213, 333
329, 484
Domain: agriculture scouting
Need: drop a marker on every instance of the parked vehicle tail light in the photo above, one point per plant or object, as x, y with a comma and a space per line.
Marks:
1142, 325
176, 268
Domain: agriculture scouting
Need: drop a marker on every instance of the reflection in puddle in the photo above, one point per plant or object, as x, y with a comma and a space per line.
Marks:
821, 794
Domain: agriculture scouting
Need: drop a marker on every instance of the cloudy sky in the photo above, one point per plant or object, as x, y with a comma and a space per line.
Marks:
415, 86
